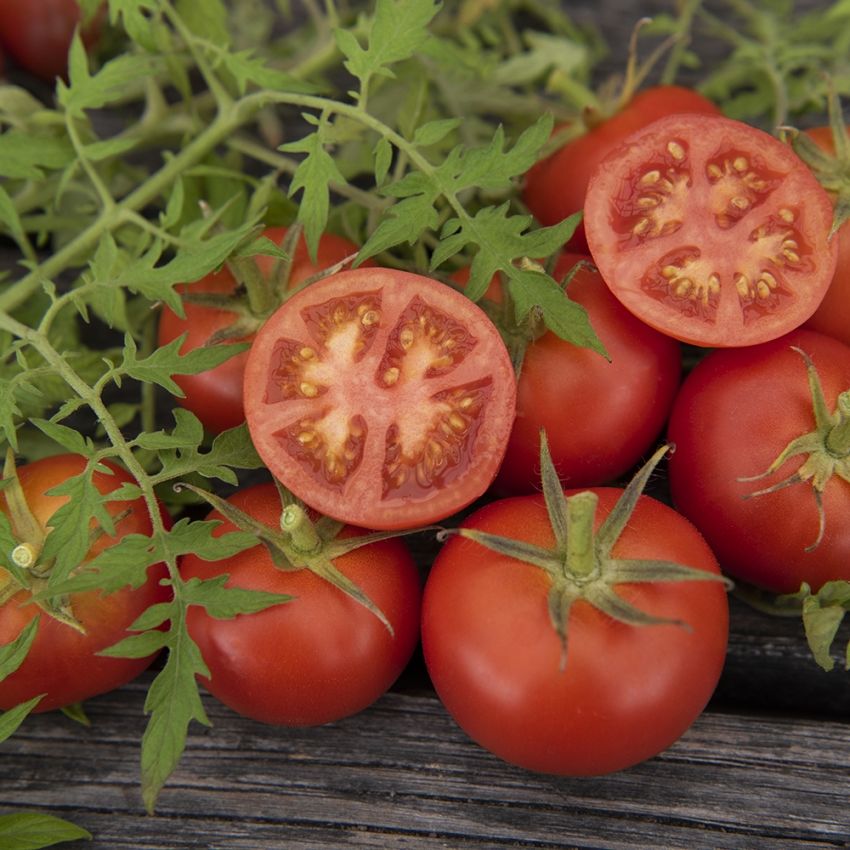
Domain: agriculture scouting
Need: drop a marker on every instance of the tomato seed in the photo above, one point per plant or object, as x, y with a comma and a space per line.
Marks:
676, 150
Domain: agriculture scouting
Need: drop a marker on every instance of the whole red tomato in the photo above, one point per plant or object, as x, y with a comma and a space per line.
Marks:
735, 414
711, 231
623, 692
381, 398
555, 187
832, 317
62, 662
37, 34
600, 414
321, 656
215, 396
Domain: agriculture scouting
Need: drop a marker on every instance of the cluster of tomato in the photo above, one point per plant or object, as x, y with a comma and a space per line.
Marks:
566, 633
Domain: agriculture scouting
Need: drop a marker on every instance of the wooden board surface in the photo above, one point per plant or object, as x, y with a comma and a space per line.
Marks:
402, 775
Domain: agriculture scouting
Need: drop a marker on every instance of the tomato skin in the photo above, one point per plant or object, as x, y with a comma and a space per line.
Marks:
37, 34
61, 662
711, 230
321, 656
381, 398
625, 694
735, 413
555, 187
832, 317
215, 396
599, 415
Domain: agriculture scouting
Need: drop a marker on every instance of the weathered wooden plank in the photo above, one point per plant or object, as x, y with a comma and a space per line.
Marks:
401, 774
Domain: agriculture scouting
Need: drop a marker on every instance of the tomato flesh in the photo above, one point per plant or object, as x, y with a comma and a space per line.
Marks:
381, 398
711, 231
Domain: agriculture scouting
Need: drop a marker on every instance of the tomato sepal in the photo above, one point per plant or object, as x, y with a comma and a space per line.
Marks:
580, 564
304, 543
826, 449
823, 613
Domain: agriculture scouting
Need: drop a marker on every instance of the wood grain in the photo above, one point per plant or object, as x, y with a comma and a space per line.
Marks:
401, 774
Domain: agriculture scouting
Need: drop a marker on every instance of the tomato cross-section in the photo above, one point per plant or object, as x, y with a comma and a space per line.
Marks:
711, 231
381, 398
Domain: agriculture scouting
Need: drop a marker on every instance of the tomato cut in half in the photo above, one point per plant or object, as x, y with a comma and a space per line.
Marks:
381, 398
711, 231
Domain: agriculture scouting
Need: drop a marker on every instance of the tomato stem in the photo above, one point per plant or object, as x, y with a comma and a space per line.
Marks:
24, 555
302, 533
580, 561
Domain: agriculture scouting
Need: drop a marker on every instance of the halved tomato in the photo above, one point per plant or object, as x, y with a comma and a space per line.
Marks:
381, 398
711, 231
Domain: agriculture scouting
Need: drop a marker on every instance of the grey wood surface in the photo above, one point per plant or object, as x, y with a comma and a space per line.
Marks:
402, 775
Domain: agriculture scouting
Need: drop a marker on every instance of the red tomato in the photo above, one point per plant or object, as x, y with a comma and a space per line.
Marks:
711, 231
600, 415
555, 187
320, 656
215, 396
832, 316
37, 34
62, 662
736, 412
625, 692
381, 398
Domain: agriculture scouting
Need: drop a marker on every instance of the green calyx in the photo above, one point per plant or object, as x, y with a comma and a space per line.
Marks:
580, 564
825, 450
302, 543
831, 170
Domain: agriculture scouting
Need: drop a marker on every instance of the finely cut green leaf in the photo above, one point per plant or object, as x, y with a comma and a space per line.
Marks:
27, 156
398, 29
12, 654
564, 317
68, 438
142, 645
435, 131
207, 20
159, 366
33, 830
225, 603
172, 702
197, 537
10, 722
247, 68
230, 450
190, 264
383, 160
9, 217
404, 222
109, 84
312, 178
65, 543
